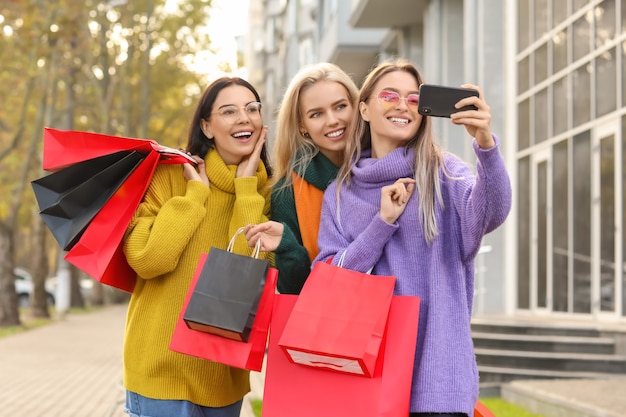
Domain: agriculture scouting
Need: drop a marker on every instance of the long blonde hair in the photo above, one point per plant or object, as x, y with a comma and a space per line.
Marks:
428, 154
292, 150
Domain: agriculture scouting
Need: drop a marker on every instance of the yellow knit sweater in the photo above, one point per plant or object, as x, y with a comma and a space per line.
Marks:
176, 222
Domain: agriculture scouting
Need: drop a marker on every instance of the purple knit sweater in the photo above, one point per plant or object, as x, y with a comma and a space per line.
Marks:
445, 375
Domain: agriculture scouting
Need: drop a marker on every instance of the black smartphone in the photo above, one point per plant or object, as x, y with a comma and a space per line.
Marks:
439, 100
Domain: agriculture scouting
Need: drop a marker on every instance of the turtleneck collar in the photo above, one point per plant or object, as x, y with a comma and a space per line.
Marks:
372, 171
222, 176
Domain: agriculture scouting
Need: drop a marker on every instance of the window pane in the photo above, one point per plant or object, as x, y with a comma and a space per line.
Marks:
582, 96
623, 185
523, 25
580, 38
523, 124
559, 51
606, 78
523, 75
560, 104
581, 173
560, 219
623, 71
579, 4
523, 228
541, 116
541, 63
541, 18
607, 224
542, 238
559, 11
605, 22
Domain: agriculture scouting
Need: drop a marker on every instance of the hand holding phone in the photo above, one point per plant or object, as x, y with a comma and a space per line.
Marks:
439, 101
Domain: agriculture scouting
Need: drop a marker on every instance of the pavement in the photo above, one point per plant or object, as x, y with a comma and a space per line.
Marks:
73, 368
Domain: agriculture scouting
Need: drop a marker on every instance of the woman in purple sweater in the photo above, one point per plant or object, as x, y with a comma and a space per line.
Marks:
404, 207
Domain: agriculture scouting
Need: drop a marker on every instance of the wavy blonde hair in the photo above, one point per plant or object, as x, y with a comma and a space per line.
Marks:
428, 154
292, 151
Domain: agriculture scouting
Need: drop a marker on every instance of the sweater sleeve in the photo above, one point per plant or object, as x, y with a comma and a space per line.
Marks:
170, 203
483, 201
291, 257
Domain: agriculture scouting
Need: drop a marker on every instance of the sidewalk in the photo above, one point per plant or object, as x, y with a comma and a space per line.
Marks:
71, 368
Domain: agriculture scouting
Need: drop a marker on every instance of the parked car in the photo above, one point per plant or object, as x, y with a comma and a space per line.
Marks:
24, 287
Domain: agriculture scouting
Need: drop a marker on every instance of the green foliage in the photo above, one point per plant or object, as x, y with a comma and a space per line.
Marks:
117, 68
256, 406
501, 408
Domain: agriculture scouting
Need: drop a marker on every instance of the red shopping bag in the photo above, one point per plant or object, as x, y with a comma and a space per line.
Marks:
339, 320
62, 148
481, 410
293, 390
246, 355
99, 250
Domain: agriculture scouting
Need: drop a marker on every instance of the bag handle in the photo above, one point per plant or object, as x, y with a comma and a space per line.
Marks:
340, 263
257, 247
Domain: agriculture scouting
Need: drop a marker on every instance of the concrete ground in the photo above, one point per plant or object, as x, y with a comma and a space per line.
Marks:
72, 368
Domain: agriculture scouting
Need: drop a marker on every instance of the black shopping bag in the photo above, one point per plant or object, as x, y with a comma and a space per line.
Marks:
70, 198
225, 299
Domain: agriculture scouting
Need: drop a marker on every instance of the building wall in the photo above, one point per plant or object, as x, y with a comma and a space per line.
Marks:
570, 111
552, 72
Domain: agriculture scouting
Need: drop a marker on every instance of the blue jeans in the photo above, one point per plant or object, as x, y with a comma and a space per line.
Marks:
140, 406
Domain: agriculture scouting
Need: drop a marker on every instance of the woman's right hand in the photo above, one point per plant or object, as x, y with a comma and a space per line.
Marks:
270, 233
394, 198
196, 173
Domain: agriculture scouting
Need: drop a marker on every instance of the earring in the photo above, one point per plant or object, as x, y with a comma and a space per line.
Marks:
305, 133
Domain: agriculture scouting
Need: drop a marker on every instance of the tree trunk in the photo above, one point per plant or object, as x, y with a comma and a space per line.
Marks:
39, 300
9, 310
96, 296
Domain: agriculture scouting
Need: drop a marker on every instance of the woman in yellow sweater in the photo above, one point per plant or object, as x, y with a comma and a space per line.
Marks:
185, 212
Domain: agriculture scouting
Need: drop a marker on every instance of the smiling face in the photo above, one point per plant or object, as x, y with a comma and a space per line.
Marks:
391, 126
235, 123
326, 111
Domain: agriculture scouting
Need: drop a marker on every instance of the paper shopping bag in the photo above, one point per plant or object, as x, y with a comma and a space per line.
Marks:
62, 148
481, 410
246, 355
226, 296
339, 320
303, 391
99, 252
69, 199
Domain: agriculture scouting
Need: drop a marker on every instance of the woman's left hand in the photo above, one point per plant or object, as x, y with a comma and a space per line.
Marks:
476, 122
248, 165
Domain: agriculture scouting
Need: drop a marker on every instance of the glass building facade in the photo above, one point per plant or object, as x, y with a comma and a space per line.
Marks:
571, 150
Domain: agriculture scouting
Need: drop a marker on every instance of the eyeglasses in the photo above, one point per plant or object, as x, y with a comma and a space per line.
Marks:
232, 113
390, 99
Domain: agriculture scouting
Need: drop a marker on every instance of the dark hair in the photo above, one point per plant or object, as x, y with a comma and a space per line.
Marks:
198, 143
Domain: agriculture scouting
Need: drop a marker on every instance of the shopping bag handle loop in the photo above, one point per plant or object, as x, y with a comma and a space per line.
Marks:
340, 263
257, 247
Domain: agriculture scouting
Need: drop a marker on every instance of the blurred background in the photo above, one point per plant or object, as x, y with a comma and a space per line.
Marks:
553, 72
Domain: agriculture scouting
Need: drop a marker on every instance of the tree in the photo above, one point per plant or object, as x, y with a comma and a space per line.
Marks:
114, 67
